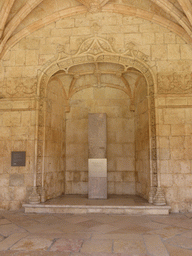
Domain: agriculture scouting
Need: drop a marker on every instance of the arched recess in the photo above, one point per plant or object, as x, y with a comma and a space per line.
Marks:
97, 51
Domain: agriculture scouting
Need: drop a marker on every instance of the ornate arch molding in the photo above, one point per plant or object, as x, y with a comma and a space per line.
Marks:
95, 50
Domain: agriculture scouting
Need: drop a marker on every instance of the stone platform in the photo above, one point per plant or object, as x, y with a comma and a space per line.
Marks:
76, 204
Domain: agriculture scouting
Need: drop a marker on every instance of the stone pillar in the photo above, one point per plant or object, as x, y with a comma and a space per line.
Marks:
97, 162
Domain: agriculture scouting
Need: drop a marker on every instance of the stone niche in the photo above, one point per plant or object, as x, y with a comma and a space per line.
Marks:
102, 92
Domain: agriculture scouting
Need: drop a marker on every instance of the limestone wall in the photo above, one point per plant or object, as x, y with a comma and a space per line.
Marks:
17, 133
175, 148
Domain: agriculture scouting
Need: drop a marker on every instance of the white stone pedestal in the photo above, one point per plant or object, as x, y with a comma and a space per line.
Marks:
97, 169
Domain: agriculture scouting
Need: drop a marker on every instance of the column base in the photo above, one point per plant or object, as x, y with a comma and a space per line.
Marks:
151, 194
34, 198
159, 198
43, 195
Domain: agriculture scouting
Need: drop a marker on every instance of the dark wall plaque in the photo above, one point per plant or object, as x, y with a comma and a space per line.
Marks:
18, 158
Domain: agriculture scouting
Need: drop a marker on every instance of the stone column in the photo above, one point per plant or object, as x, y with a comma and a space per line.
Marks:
34, 198
97, 162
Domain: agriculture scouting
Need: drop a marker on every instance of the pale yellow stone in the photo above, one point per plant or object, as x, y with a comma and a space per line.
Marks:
164, 167
169, 38
164, 130
159, 52
30, 43
164, 142
130, 29
5, 132
82, 30
148, 38
164, 154
177, 153
174, 116
65, 23
178, 129
13, 72
173, 52
176, 101
159, 38
134, 37
149, 27
186, 52
166, 180
177, 142
188, 116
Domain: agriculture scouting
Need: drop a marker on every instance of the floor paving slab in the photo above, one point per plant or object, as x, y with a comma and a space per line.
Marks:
11, 240
155, 246
24, 234
132, 247
67, 245
92, 246
32, 244
176, 251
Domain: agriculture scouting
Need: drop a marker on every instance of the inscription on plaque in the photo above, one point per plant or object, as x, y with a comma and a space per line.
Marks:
18, 158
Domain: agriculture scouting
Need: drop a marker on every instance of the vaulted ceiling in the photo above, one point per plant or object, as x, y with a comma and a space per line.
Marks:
19, 18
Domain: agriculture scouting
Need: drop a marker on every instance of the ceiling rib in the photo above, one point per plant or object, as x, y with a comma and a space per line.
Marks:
187, 8
4, 13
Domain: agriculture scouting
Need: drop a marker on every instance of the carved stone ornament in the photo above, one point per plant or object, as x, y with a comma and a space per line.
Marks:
175, 83
93, 5
96, 49
14, 87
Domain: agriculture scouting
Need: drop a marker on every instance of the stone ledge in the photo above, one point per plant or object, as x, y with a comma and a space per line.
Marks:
84, 209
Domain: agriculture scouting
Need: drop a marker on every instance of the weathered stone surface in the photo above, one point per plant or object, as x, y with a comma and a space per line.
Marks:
97, 135
16, 180
97, 188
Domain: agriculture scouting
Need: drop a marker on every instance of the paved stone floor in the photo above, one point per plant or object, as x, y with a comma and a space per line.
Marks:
94, 234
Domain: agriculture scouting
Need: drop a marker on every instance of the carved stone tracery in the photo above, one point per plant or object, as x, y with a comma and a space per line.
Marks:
18, 87
175, 83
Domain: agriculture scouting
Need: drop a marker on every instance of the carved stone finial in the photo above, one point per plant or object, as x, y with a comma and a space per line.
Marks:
93, 6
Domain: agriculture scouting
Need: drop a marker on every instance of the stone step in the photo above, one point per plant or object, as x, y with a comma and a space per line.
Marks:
104, 209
